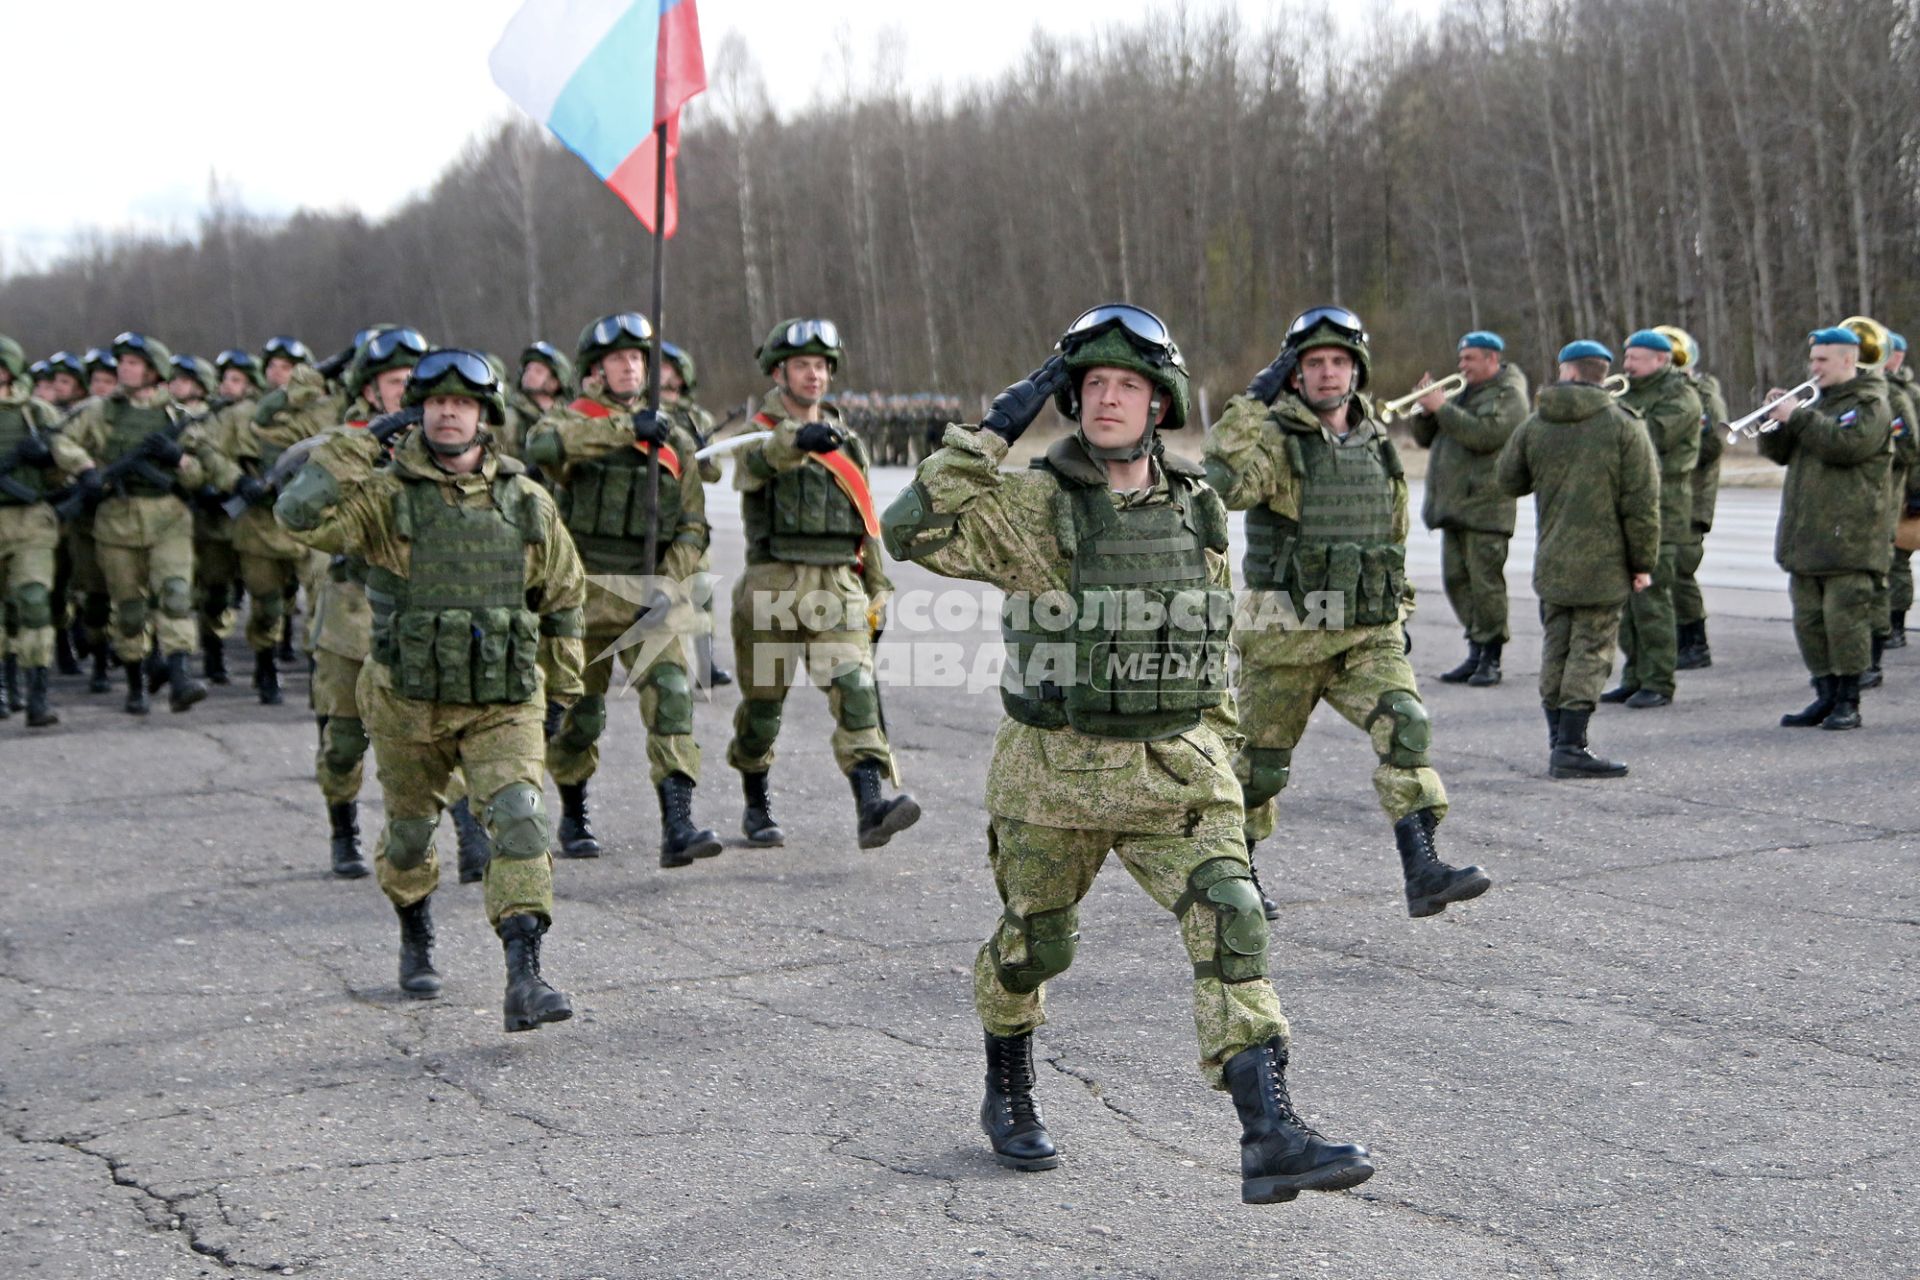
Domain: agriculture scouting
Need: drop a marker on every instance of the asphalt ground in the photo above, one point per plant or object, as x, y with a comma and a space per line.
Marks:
1677, 1038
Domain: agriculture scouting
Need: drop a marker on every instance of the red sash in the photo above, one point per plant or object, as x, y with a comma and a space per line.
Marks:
845, 472
594, 409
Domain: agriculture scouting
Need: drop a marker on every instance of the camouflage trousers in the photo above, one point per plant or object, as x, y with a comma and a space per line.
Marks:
28, 537
1833, 621
216, 567
1370, 684
1473, 568
665, 696
273, 583
417, 746
1900, 581
339, 764
1576, 654
1649, 637
1689, 606
773, 644
151, 588
1042, 873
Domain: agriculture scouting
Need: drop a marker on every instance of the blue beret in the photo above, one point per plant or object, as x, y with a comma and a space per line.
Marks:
1899, 342
1585, 349
1652, 341
1834, 336
1485, 339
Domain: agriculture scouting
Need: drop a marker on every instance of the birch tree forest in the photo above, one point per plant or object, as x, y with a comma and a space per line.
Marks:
1551, 169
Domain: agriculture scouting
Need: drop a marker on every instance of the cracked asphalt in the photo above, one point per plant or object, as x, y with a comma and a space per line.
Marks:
1676, 1039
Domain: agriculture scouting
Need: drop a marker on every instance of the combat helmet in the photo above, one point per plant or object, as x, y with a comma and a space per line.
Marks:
13, 357
801, 337
541, 351
152, 350
1123, 336
621, 331
386, 346
455, 371
1329, 326
676, 355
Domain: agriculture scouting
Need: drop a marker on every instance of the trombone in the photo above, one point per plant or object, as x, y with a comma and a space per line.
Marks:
1757, 423
1394, 410
1616, 385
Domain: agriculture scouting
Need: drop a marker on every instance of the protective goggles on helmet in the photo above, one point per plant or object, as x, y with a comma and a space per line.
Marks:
1147, 331
383, 346
233, 358
542, 351
98, 359
469, 366
292, 348
186, 366
40, 370
67, 362
608, 329
1339, 319
801, 332
134, 342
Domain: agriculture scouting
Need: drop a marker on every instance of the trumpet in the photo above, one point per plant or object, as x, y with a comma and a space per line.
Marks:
1616, 385
1394, 410
1757, 423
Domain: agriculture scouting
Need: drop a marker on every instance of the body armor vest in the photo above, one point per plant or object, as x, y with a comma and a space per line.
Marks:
1343, 541
25, 485
604, 506
128, 426
1138, 649
801, 515
457, 628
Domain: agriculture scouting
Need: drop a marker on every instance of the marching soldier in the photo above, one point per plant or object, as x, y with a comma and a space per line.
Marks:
1832, 539
597, 450
1099, 751
468, 569
1474, 517
812, 535
142, 530
1663, 398
545, 376
87, 583
1325, 569
103, 377
36, 458
1689, 605
1595, 479
69, 383
678, 382
195, 388
1907, 441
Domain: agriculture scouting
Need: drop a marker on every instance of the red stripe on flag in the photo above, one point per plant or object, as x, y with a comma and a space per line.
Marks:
633, 180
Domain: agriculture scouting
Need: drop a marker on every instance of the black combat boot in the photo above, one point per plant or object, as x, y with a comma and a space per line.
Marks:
1488, 672
1846, 704
576, 832
1281, 1155
39, 714
680, 841
1553, 725
16, 698
719, 677
183, 689
418, 977
1643, 699
1619, 693
1431, 883
213, 656
1571, 759
137, 704
1896, 638
266, 678
1694, 653
1268, 906
155, 666
1008, 1114
1871, 679
476, 846
1464, 672
1816, 711
100, 682
757, 823
531, 999
285, 648
67, 663
348, 862
880, 820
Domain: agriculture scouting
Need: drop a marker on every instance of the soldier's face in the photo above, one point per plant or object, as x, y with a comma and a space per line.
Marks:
234, 384
450, 421
279, 371
624, 371
538, 380
1325, 375
42, 390
1831, 364
101, 382
671, 383
1639, 361
66, 388
387, 389
1114, 404
134, 372
804, 378
184, 389
1477, 364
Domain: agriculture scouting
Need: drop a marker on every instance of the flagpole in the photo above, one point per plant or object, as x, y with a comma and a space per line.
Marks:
659, 307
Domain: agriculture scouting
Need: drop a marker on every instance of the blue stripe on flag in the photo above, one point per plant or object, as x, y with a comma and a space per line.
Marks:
606, 110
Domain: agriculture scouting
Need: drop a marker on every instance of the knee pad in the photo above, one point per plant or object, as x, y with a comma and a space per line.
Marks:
271, 607
176, 598
1412, 731
760, 725
409, 840
1051, 938
344, 742
131, 617
673, 702
517, 821
33, 606
585, 721
1268, 769
1240, 939
859, 700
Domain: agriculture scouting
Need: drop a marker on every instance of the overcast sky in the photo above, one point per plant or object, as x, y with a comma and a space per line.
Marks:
364, 110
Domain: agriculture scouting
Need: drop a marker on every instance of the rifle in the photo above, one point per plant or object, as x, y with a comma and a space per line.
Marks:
133, 462
294, 456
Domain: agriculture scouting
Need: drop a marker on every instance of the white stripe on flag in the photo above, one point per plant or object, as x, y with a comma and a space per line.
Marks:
545, 43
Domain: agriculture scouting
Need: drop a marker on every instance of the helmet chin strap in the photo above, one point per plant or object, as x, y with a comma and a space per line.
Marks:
1329, 404
454, 450
1125, 453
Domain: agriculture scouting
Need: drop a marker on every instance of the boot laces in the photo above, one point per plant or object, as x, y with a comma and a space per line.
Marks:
1283, 1103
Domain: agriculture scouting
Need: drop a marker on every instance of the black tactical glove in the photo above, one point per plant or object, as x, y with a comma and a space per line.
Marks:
388, 425
334, 365
1014, 409
252, 488
650, 428
163, 449
33, 451
819, 437
1272, 380
88, 482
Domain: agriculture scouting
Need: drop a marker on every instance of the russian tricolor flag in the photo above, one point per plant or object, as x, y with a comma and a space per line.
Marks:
602, 74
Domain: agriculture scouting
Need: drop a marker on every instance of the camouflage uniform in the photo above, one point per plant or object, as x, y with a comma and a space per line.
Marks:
30, 534
1649, 636
1894, 596
216, 564
1689, 606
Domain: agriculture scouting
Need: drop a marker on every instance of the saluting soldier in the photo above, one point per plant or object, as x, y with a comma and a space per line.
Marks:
1325, 570
469, 570
1119, 725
